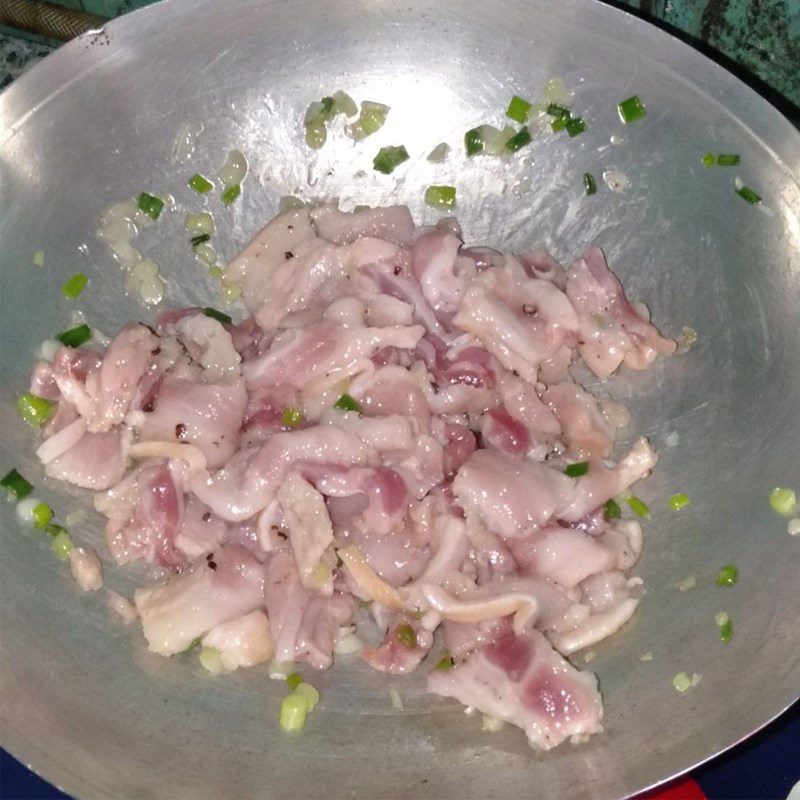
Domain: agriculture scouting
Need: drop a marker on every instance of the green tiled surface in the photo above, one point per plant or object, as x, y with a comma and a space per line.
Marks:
761, 36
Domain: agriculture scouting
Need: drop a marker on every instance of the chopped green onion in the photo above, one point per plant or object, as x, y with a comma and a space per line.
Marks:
748, 194
589, 183
344, 104
631, 109
219, 316
215, 272
291, 418
75, 337
150, 205
440, 196
721, 617
38, 258
726, 632
211, 660
34, 410
293, 680
638, 506
445, 663
201, 222
783, 501
575, 125
439, 153
518, 140
559, 124
294, 710
347, 403
709, 159
310, 693
682, 682
518, 109
389, 158
42, 514
728, 160
16, 486
557, 111
200, 184
372, 118
407, 636
473, 141
74, 286
727, 576
201, 239
61, 545
321, 573
611, 510
679, 501
577, 469
191, 646
316, 135
231, 193
52, 529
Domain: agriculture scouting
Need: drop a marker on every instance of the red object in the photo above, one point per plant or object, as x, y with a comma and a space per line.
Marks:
683, 789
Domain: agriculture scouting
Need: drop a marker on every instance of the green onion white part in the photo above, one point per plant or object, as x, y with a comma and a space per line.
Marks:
48, 349
200, 223
211, 660
61, 545
310, 694
439, 153
233, 170
278, 670
38, 258
720, 618
648, 656
289, 203
205, 252
492, 724
372, 119
25, 509
687, 583
682, 682
783, 501
396, 700
294, 710
344, 104
231, 292
794, 527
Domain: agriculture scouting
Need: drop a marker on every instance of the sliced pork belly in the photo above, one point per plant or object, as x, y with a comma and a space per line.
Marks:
242, 642
610, 332
524, 681
392, 223
405, 645
212, 591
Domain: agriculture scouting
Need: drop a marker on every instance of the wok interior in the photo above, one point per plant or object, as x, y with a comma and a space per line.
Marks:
96, 123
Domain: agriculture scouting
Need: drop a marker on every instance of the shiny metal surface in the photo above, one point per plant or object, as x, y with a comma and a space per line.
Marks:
82, 699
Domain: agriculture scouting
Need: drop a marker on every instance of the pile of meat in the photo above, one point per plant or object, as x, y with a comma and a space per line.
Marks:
439, 501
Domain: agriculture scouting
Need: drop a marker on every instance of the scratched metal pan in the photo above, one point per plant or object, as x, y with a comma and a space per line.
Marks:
85, 703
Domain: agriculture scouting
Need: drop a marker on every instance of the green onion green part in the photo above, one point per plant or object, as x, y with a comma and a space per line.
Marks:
16, 486
445, 663
440, 196
518, 140
631, 109
347, 403
310, 693
473, 142
726, 631
518, 109
293, 680
679, 501
577, 469
61, 545
611, 510
589, 183
749, 195
407, 636
200, 184
230, 194
728, 160
41, 514
34, 410
682, 682
75, 337
294, 710
557, 111
74, 286
150, 205
727, 576
200, 239
389, 158
783, 501
559, 124
291, 418
709, 159
219, 316
638, 506
575, 126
